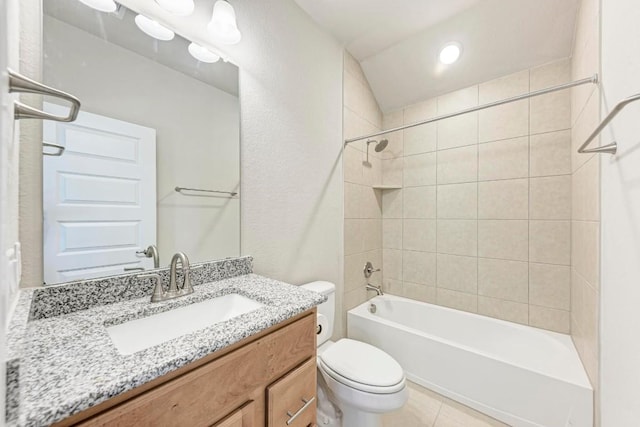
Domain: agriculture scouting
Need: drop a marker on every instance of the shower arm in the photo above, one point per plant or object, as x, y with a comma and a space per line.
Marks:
593, 79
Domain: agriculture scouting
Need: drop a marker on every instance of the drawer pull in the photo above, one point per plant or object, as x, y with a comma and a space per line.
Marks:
293, 417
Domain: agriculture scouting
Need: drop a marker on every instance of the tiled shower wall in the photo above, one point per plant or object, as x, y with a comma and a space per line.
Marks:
482, 221
363, 214
585, 178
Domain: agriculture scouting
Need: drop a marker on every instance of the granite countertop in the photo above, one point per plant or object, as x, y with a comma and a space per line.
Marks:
67, 363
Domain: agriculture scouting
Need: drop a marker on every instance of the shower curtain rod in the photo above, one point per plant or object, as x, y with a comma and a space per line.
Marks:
592, 79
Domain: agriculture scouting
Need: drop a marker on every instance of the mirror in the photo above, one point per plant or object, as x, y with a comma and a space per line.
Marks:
153, 158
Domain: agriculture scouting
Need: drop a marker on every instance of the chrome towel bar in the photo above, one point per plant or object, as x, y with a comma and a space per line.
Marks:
22, 84
181, 189
613, 147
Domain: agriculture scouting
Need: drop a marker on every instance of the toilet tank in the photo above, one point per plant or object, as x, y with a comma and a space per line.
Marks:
327, 309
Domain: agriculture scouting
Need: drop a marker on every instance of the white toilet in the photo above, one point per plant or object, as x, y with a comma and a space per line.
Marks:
363, 381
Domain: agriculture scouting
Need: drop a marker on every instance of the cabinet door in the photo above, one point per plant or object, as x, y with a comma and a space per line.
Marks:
291, 401
243, 417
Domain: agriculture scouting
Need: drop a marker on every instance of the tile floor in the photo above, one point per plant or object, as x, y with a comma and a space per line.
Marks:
426, 408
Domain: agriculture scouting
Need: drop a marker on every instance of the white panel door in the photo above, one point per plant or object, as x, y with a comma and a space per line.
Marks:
99, 197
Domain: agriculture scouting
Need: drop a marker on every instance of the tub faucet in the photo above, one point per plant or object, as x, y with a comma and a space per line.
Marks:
376, 289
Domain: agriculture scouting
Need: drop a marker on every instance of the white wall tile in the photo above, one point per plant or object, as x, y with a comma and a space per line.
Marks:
457, 237
458, 273
419, 292
505, 310
550, 242
420, 139
420, 202
392, 170
549, 318
372, 234
585, 185
507, 199
391, 264
458, 131
392, 233
585, 250
419, 235
551, 197
458, 300
353, 236
419, 267
458, 201
504, 122
550, 286
550, 153
507, 280
352, 200
419, 170
458, 165
391, 203
503, 239
506, 159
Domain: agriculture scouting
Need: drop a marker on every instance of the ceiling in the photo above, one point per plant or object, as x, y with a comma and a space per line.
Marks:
397, 42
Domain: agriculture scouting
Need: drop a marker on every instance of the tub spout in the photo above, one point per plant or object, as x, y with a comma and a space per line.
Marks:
376, 289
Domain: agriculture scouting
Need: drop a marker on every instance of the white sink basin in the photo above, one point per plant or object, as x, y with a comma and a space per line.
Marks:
139, 334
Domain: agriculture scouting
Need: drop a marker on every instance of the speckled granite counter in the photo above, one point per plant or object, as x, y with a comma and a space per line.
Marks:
67, 363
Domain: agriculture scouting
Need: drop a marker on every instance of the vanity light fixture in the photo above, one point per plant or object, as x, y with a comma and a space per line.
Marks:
203, 54
101, 5
223, 26
153, 29
450, 53
177, 7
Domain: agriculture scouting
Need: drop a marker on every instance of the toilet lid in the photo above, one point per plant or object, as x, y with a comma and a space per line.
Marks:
362, 363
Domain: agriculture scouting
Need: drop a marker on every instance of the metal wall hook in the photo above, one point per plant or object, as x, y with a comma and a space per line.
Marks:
21, 84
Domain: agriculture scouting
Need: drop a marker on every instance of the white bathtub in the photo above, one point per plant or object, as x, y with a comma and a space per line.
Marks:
520, 375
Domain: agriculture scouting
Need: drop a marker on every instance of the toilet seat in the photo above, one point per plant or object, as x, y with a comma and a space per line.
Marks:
362, 366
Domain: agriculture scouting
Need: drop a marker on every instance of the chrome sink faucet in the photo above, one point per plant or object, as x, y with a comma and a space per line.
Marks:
174, 291
151, 252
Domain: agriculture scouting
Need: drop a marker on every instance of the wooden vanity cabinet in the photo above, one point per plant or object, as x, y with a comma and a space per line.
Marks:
261, 381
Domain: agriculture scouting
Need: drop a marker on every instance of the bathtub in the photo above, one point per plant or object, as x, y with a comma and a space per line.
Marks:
520, 375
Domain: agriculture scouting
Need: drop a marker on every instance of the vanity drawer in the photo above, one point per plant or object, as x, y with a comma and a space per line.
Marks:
292, 399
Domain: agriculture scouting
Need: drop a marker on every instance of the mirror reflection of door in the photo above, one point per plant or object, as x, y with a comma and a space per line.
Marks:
99, 197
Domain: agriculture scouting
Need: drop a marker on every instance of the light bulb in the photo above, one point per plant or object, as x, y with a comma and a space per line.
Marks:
153, 29
450, 53
177, 7
203, 54
101, 5
223, 26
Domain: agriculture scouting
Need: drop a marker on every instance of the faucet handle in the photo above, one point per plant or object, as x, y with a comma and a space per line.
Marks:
157, 290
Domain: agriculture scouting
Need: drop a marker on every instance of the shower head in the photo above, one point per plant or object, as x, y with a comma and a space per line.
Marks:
379, 145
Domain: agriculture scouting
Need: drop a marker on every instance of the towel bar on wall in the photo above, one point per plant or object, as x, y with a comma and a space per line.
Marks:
199, 190
22, 84
613, 147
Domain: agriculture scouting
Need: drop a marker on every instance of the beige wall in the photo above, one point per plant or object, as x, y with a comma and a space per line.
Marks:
482, 222
362, 203
585, 182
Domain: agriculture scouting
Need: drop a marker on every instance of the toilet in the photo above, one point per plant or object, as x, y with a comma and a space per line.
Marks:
361, 380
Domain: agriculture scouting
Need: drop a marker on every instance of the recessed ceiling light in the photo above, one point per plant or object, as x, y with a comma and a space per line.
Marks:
101, 5
203, 54
153, 29
450, 53
177, 7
